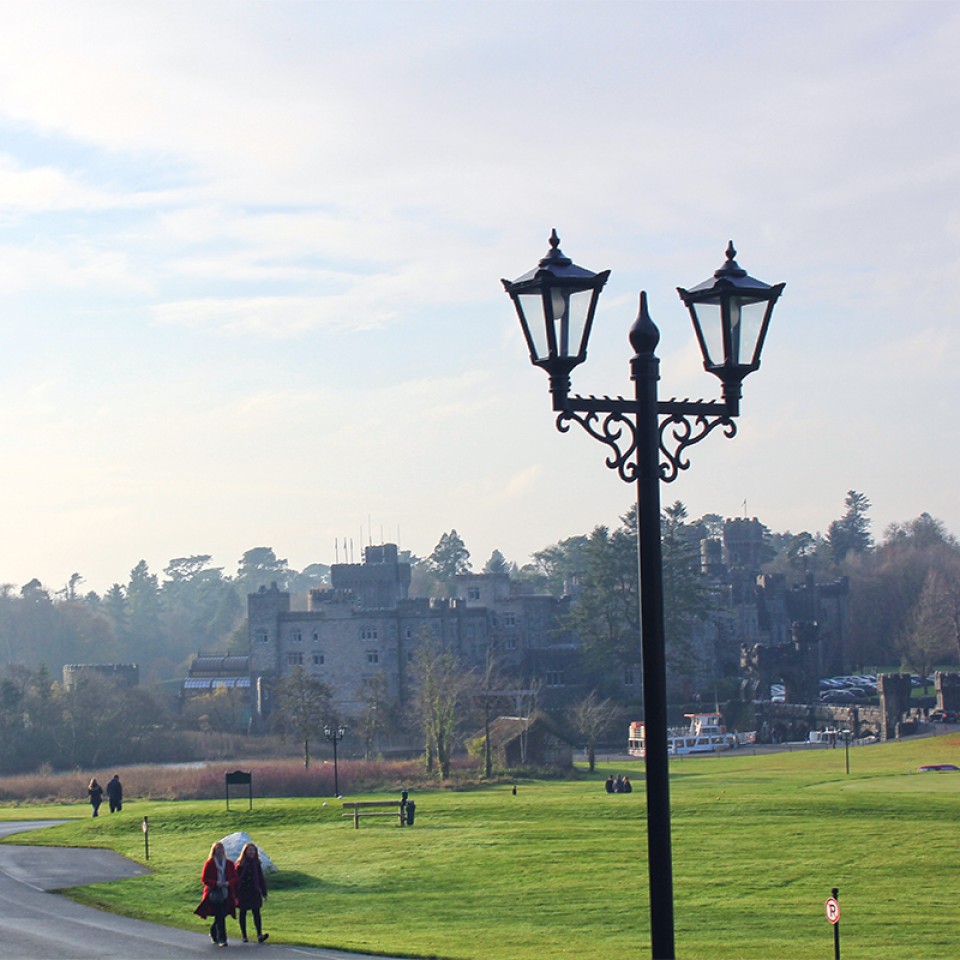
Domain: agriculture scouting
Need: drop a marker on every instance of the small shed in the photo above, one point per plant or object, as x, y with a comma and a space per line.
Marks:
529, 741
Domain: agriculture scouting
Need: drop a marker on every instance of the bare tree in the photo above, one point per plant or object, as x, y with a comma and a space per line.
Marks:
376, 714
591, 718
442, 688
304, 707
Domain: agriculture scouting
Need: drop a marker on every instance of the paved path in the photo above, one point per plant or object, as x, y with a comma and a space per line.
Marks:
37, 925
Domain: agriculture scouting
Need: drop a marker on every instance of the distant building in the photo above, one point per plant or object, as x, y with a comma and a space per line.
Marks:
365, 625
122, 674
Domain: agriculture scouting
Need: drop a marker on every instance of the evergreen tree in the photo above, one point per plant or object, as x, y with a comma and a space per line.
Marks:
449, 559
851, 533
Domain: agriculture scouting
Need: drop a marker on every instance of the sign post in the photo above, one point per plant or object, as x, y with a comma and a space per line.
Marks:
832, 910
146, 838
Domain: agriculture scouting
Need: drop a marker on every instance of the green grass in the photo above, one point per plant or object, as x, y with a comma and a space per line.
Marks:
560, 871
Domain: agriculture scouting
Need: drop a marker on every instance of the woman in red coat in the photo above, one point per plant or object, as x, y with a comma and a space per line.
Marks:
219, 877
251, 889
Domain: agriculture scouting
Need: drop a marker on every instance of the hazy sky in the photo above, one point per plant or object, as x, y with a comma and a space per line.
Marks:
250, 257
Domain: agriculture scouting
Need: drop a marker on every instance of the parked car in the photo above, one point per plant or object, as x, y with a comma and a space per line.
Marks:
838, 696
942, 716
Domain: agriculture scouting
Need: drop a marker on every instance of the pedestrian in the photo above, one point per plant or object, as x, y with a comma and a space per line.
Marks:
608, 784
115, 793
627, 786
219, 877
95, 793
251, 889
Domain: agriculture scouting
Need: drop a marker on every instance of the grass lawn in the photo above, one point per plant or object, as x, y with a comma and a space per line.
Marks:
559, 870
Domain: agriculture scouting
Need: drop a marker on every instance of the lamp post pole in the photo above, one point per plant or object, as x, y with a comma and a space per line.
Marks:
334, 735
645, 372
646, 439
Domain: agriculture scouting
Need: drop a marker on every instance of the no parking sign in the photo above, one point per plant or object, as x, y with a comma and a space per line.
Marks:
832, 910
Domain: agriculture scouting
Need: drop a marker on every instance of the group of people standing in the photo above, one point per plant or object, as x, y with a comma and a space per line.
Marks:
114, 792
620, 785
228, 887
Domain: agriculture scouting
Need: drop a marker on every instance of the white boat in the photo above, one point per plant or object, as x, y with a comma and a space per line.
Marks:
705, 734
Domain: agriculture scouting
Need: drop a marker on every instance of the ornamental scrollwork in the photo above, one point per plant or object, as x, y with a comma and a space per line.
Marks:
682, 432
678, 429
611, 429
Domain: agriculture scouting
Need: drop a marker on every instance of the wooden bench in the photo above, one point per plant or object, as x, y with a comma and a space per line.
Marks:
362, 808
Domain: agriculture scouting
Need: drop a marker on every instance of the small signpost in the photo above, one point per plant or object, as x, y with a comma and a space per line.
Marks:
832, 910
146, 839
241, 778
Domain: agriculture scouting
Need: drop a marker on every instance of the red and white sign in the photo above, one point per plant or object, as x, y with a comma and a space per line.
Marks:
832, 910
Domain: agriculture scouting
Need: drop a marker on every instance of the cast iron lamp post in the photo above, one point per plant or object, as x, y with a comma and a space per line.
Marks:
335, 735
646, 440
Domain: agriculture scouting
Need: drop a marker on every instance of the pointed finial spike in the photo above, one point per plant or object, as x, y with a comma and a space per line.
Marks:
731, 252
554, 239
644, 335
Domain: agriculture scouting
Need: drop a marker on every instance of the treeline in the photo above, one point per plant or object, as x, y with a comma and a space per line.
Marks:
158, 623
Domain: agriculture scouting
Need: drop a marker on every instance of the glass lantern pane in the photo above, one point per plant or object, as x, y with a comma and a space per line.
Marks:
751, 323
711, 329
531, 307
578, 309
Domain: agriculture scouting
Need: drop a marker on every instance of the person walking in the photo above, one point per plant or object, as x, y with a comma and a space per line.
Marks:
251, 890
95, 793
219, 877
115, 793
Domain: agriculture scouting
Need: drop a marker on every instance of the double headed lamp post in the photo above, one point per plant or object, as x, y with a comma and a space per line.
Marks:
334, 735
646, 440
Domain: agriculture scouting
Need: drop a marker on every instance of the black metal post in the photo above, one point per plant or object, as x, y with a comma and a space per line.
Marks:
835, 893
336, 775
645, 372
334, 735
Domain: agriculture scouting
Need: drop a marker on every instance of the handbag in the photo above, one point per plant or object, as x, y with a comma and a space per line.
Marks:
217, 895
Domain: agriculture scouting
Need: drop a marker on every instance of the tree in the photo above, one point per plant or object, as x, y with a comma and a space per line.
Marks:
686, 592
145, 613
441, 690
558, 568
591, 718
376, 713
605, 614
449, 559
304, 706
497, 563
851, 533
259, 567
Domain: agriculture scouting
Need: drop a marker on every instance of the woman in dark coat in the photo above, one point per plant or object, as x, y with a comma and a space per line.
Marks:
219, 877
251, 889
95, 793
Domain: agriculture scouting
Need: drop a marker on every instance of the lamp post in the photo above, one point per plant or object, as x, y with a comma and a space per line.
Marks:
335, 735
846, 749
646, 440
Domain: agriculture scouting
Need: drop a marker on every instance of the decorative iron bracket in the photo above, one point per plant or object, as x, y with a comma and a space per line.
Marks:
614, 422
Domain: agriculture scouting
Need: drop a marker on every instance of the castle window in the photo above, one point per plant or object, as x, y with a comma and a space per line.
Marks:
509, 619
510, 643
316, 637
261, 636
554, 678
297, 636
318, 659
628, 676
295, 659
473, 593
369, 633
373, 656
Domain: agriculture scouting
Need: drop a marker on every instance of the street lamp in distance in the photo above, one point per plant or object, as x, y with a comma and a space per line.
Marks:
335, 734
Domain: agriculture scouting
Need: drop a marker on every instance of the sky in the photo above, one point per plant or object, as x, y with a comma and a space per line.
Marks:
250, 262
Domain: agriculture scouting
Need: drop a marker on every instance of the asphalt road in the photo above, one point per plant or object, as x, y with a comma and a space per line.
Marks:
38, 925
